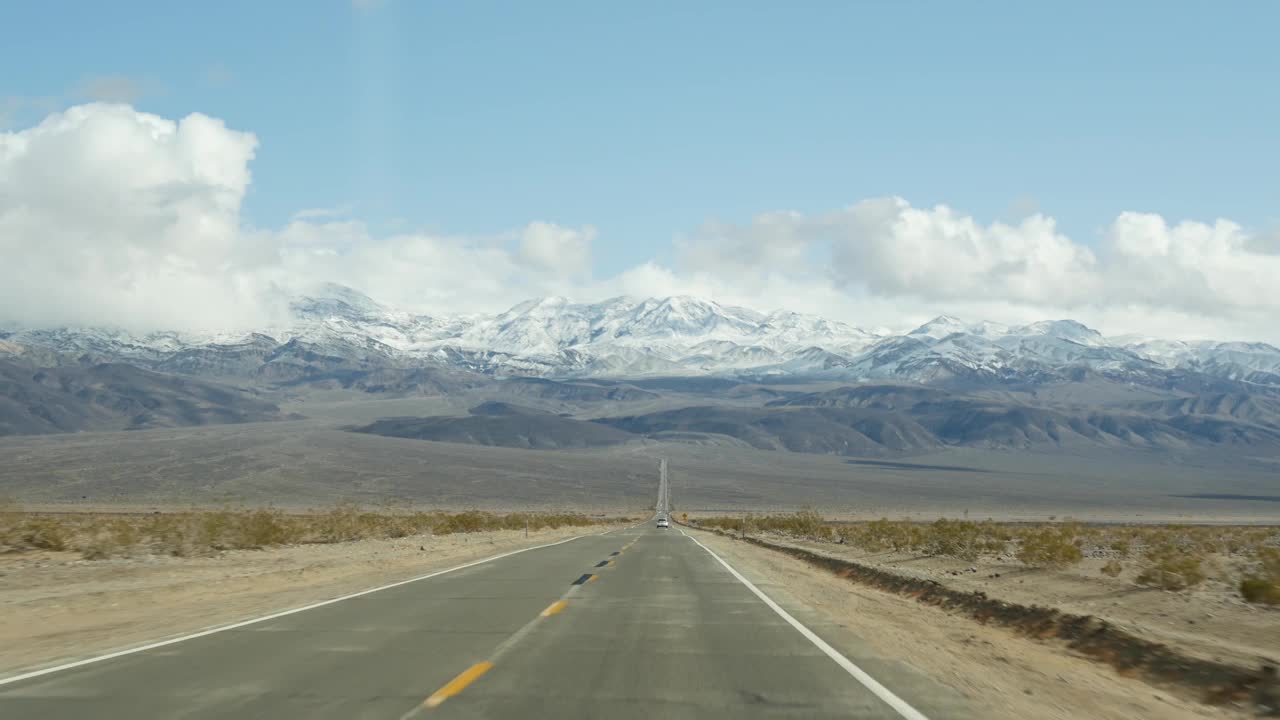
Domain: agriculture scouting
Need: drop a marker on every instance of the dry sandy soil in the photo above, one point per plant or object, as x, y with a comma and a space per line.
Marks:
55, 606
1008, 676
1210, 621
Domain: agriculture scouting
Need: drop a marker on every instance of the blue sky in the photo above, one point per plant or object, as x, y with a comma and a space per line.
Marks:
646, 121
490, 152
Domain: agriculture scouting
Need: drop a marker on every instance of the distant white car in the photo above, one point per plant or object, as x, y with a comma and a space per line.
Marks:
662, 523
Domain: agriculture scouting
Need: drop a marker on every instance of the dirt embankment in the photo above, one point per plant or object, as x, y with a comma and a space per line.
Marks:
55, 606
933, 627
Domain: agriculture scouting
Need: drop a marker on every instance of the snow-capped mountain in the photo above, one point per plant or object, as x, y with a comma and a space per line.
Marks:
339, 329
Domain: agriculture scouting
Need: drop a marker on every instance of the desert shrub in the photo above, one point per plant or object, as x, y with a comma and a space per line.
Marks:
1256, 589
1121, 545
12, 535
97, 536
1269, 561
112, 537
1049, 547
884, 534
10, 516
1169, 567
720, 522
264, 527
44, 533
1113, 568
953, 538
1263, 585
806, 523
341, 523
216, 529
96, 550
463, 522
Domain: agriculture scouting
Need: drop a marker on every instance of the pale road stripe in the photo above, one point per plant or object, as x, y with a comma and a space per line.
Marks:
273, 616
858, 673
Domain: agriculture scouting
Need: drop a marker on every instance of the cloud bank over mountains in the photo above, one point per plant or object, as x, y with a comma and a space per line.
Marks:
111, 216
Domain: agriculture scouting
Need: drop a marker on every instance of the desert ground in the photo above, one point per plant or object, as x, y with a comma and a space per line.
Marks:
307, 463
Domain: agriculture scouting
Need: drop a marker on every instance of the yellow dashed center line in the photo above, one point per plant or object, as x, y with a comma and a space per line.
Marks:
458, 684
473, 673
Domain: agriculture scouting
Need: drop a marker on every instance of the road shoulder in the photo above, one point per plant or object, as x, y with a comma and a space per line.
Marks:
1003, 675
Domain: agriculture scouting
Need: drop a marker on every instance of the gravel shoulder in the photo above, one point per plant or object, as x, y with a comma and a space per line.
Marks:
56, 607
1009, 676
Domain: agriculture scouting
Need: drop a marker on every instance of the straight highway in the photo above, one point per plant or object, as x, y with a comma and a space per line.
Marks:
635, 623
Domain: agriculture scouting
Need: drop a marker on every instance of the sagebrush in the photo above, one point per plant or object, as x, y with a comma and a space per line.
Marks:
1170, 557
196, 532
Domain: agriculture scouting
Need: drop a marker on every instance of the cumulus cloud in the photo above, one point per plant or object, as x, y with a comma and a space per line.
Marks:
1207, 276
116, 217
425, 272
558, 250
110, 214
1190, 266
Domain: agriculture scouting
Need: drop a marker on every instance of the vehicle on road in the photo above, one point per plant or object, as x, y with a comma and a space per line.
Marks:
662, 523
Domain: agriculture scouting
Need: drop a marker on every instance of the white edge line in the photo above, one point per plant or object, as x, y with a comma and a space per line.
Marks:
243, 623
858, 673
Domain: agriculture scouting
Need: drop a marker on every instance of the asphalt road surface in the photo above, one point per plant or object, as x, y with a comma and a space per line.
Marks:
635, 623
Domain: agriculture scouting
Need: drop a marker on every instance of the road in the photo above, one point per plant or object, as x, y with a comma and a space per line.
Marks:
664, 489
634, 623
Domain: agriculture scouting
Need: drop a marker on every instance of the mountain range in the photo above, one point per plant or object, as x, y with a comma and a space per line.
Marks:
550, 373
338, 334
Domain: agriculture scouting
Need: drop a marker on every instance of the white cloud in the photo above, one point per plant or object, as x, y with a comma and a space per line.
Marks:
892, 248
107, 214
1191, 278
419, 271
557, 250
112, 216
1190, 266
